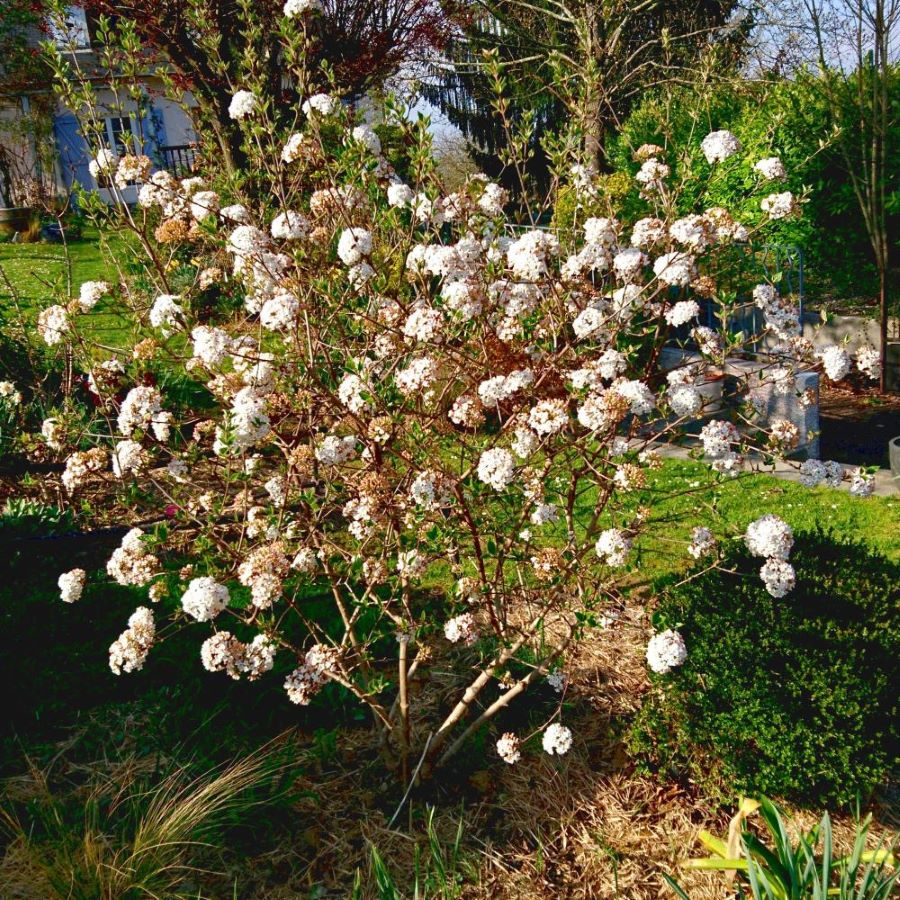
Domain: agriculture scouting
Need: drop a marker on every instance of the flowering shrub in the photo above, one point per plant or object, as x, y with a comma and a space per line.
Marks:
396, 381
793, 695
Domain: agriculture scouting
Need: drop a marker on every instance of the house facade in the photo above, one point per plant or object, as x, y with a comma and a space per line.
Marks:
158, 127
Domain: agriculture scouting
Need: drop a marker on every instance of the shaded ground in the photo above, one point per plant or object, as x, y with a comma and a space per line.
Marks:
856, 428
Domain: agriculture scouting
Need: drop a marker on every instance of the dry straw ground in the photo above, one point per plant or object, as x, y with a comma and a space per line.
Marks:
582, 827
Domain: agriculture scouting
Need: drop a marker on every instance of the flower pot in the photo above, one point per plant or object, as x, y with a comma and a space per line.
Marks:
894, 453
892, 367
15, 218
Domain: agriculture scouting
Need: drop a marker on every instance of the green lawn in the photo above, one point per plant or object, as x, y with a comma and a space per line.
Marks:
34, 276
736, 503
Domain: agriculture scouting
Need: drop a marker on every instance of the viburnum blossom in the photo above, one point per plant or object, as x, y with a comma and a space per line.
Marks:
778, 576
771, 168
666, 651
319, 663
461, 629
243, 104
862, 483
557, 739
129, 651
769, 536
204, 599
702, 542
71, 584
320, 104
497, 468
132, 563
53, 324
717, 146
295, 8
613, 547
868, 361
676, 269
90, 293
836, 361
508, 748
104, 163
354, 245
682, 312
779, 206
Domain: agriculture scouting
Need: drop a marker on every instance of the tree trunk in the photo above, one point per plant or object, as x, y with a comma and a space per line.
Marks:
884, 311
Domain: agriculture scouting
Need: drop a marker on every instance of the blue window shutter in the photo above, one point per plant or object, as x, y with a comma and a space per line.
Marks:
153, 130
73, 152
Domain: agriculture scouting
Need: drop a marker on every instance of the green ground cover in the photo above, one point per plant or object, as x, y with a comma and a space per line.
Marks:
34, 276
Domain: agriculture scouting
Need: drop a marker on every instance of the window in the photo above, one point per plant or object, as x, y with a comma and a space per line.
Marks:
74, 31
122, 135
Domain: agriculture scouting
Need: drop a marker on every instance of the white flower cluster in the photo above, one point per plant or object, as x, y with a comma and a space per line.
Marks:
334, 450
557, 739
771, 168
682, 312
225, 653
263, 572
243, 104
166, 314
771, 537
862, 483
836, 362
461, 629
718, 437
312, 674
613, 547
508, 748
295, 8
717, 146
141, 406
782, 317
529, 255
779, 206
104, 163
129, 651
131, 563
9, 394
675, 269
666, 651
71, 584
868, 361
81, 465
247, 423
205, 598
53, 324
320, 105
90, 294
128, 458
497, 467
702, 542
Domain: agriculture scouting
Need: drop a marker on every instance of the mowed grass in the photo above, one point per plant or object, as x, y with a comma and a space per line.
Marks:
730, 506
35, 276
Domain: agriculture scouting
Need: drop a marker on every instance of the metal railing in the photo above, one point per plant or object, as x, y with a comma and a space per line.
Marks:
178, 159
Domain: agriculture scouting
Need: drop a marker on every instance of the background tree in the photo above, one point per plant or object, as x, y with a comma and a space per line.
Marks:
365, 42
856, 42
20, 65
584, 60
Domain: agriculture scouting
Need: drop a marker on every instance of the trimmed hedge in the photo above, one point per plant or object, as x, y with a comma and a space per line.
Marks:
795, 697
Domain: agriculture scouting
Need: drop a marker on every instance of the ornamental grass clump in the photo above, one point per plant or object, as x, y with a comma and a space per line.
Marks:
401, 400
792, 694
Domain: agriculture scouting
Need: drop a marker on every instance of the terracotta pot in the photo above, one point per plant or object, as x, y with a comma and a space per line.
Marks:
15, 218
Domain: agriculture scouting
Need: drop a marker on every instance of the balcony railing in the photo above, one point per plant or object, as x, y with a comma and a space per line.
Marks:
179, 159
